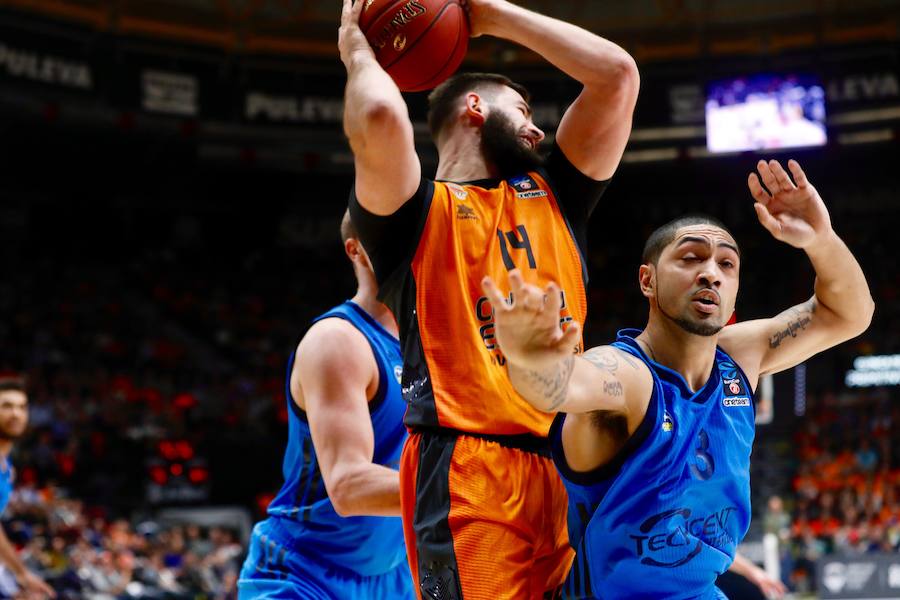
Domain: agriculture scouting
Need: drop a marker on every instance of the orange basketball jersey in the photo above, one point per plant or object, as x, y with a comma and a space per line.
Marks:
457, 378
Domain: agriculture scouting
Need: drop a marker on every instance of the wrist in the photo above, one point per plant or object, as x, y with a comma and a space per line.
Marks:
823, 243
490, 16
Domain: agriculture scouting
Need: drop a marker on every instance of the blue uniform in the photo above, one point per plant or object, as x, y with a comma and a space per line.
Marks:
305, 549
663, 519
6, 483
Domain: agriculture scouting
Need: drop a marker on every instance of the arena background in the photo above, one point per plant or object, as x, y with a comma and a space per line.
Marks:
172, 174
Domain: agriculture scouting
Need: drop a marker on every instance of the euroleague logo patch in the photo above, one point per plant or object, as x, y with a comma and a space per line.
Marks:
732, 386
398, 373
526, 187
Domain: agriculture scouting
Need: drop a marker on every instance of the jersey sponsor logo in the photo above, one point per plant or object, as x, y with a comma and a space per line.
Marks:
526, 187
465, 213
675, 537
458, 191
739, 401
668, 424
728, 369
398, 373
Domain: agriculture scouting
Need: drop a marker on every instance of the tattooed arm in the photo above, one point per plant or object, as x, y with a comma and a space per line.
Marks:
842, 305
541, 357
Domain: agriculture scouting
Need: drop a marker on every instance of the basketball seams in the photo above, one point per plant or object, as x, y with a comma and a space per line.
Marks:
412, 45
439, 76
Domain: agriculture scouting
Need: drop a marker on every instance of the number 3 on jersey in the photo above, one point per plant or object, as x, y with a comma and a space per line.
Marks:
704, 466
518, 240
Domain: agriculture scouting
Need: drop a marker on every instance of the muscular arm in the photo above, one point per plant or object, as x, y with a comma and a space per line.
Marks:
335, 374
603, 378
542, 365
841, 307
596, 127
376, 122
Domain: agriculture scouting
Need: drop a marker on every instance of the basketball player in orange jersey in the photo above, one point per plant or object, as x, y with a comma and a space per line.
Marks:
483, 508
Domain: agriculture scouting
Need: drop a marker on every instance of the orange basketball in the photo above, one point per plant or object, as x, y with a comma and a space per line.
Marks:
420, 43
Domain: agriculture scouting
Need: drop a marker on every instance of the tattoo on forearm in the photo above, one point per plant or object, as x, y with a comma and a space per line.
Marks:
552, 384
798, 320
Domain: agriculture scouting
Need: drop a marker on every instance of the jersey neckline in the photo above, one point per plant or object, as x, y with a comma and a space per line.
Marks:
628, 336
371, 320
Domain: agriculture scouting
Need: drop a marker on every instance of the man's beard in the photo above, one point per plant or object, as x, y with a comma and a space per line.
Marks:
502, 147
701, 328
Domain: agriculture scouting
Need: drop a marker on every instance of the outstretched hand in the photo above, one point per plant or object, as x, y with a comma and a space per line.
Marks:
351, 39
527, 326
792, 213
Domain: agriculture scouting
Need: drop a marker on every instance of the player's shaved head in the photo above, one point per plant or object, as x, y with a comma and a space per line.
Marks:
442, 102
348, 230
666, 234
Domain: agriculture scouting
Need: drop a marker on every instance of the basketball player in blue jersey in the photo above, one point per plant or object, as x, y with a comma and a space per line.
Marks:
334, 531
655, 431
13, 421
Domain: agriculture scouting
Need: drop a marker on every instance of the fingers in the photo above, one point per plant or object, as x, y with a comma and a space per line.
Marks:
781, 176
346, 9
768, 177
756, 189
767, 220
498, 301
797, 172
553, 297
358, 7
571, 336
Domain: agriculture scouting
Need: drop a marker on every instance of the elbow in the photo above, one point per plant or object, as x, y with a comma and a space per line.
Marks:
343, 491
341, 500
383, 118
867, 312
620, 76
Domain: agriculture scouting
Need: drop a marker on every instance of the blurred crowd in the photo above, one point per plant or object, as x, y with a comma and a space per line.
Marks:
83, 553
845, 495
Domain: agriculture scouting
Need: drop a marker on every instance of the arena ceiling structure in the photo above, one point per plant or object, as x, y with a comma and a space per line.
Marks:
260, 80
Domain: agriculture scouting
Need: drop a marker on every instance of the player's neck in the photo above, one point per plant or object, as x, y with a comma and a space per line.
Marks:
367, 300
692, 356
460, 159
6, 446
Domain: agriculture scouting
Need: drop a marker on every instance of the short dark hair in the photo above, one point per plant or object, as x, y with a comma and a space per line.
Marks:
12, 383
348, 229
664, 235
442, 100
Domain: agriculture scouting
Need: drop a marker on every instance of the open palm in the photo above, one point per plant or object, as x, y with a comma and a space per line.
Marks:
792, 213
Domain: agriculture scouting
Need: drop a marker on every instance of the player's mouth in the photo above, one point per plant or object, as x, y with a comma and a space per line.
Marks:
706, 301
528, 142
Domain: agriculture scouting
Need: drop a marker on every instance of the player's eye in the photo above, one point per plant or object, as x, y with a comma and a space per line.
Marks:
727, 264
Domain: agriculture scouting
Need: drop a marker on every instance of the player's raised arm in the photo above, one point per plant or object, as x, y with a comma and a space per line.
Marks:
841, 307
596, 127
376, 121
333, 372
542, 362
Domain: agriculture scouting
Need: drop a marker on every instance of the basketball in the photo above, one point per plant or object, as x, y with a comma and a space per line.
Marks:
420, 43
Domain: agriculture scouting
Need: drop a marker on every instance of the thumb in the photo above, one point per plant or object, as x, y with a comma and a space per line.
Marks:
767, 220
570, 336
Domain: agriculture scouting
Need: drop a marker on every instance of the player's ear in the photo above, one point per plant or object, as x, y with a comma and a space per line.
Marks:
647, 279
476, 111
352, 248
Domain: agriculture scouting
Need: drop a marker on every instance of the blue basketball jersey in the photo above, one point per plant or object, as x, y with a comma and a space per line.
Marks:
366, 546
6, 483
663, 519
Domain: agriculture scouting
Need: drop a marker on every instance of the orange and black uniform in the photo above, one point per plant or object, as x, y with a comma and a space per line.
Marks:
484, 511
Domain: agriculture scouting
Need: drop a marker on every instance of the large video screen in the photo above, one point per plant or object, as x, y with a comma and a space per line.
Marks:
765, 111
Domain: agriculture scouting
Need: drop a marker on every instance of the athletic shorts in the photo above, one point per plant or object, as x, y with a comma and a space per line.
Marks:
484, 518
273, 571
